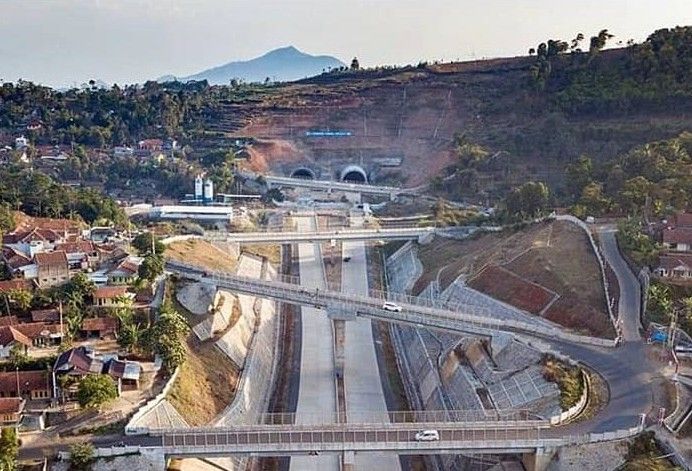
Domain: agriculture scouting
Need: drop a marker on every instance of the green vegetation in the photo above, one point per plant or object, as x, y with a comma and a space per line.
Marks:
167, 336
663, 299
655, 175
96, 390
527, 201
568, 378
644, 454
639, 247
147, 243
652, 74
9, 449
37, 194
152, 266
81, 456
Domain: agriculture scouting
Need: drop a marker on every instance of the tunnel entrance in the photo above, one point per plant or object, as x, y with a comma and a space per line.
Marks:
354, 174
304, 173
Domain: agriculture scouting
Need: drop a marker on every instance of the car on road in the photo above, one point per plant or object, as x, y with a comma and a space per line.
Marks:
347, 259
427, 436
390, 306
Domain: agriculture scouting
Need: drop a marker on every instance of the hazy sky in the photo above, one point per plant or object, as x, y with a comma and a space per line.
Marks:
62, 42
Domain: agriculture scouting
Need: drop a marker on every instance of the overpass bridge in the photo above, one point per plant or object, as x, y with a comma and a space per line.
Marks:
330, 185
462, 318
492, 434
404, 233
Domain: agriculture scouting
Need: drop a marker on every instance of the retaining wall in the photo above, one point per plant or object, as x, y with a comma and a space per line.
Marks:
135, 425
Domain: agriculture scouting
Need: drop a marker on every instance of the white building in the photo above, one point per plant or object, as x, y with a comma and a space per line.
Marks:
199, 213
122, 151
21, 143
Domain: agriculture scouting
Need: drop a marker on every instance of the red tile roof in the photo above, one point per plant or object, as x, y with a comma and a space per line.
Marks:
8, 320
31, 235
677, 235
101, 324
28, 381
14, 259
54, 259
9, 285
11, 334
683, 219
671, 261
11, 405
109, 292
81, 246
45, 315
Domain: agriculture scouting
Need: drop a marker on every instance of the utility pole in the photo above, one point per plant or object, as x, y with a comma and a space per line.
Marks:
670, 341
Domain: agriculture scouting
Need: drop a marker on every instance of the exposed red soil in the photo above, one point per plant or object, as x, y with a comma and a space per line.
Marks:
504, 285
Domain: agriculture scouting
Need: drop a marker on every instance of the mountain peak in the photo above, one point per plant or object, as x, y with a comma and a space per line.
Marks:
281, 65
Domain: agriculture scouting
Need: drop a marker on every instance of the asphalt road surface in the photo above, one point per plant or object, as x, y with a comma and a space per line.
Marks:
316, 395
362, 384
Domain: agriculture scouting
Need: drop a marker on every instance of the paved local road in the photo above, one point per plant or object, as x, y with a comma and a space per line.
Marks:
630, 297
316, 395
362, 384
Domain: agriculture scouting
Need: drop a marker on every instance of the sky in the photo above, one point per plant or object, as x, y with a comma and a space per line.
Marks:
67, 42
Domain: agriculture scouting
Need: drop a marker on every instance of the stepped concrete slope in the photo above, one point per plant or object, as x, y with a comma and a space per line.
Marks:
363, 388
316, 397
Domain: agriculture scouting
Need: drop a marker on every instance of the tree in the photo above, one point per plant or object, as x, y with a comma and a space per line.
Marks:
152, 266
18, 357
599, 41
165, 337
19, 298
355, 65
7, 222
96, 390
81, 456
528, 200
9, 449
579, 174
145, 242
129, 336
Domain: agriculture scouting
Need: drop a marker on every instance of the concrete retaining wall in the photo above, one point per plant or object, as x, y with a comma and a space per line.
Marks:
257, 377
135, 425
576, 409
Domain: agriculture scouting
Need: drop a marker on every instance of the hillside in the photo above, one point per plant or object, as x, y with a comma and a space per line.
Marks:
600, 104
280, 65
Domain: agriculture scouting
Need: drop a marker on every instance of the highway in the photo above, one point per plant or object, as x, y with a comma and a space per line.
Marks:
362, 384
316, 394
406, 233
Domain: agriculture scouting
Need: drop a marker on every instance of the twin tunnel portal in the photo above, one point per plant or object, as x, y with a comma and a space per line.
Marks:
348, 174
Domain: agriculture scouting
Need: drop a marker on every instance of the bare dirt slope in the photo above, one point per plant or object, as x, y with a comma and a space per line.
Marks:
526, 268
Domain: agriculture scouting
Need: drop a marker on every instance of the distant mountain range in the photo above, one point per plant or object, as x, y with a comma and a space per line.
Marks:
280, 65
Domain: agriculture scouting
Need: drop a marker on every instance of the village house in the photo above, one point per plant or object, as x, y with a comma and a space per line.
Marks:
81, 255
80, 361
52, 269
111, 296
99, 327
151, 145
19, 264
11, 337
125, 272
45, 315
674, 266
29, 335
11, 410
31, 385
677, 236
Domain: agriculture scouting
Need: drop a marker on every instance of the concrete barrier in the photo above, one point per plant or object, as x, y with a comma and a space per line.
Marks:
132, 427
576, 409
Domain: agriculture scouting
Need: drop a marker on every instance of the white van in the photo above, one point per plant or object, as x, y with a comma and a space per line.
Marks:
390, 306
427, 436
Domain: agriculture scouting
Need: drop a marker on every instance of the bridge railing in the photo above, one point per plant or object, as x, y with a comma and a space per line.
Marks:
424, 311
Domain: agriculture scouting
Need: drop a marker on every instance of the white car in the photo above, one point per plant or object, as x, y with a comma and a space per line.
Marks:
427, 436
393, 307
